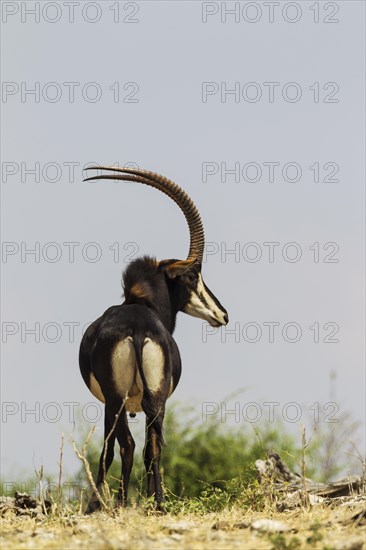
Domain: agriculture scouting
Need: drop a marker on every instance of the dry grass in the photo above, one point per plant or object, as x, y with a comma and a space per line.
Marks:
308, 523
317, 528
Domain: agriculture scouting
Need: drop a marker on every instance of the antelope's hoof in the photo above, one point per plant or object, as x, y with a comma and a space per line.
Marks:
93, 506
160, 509
155, 508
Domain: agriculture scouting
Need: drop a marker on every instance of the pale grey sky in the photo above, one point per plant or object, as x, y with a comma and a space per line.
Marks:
163, 73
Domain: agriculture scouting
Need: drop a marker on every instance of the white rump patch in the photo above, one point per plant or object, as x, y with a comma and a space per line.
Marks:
123, 366
153, 364
126, 377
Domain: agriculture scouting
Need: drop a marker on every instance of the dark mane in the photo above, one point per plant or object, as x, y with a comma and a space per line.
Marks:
141, 269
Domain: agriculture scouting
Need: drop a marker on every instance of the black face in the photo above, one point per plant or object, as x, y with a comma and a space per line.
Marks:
190, 278
196, 298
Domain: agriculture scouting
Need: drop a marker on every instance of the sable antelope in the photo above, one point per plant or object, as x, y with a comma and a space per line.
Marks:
128, 357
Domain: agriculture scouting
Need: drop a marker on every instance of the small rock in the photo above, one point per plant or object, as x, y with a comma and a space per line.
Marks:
270, 526
7, 504
227, 525
315, 499
25, 501
176, 537
290, 502
39, 532
87, 529
179, 527
222, 525
242, 524
6, 500
355, 544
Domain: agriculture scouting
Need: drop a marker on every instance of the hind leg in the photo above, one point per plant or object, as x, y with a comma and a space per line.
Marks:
156, 376
152, 454
127, 447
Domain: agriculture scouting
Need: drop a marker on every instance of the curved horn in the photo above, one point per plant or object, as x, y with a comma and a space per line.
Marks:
176, 193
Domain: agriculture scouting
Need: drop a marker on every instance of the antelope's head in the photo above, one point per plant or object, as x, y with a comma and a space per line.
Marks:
184, 277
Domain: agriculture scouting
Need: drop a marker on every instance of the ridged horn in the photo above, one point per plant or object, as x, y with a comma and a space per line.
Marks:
176, 193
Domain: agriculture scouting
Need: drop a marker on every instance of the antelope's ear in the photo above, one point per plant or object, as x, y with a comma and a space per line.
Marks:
177, 267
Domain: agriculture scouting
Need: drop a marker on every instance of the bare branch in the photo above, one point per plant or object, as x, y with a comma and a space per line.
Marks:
82, 456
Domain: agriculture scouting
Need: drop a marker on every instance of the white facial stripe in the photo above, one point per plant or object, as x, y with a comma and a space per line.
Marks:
203, 292
203, 309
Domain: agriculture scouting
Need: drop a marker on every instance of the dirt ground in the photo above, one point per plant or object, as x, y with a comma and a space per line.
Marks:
324, 529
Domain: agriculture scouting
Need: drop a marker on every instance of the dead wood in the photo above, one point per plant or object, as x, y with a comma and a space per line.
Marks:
275, 471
